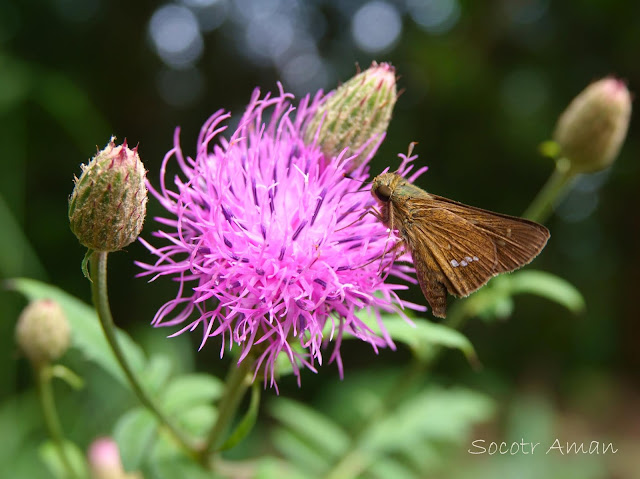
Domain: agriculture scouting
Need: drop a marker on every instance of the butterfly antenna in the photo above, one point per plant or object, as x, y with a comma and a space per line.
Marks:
349, 177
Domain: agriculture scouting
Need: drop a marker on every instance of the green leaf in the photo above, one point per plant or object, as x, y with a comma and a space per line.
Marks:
157, 372
17, 256
21, 420
269, 467
135, 432
190, 390
423, 336
180, 467
248, 421
322, 434
437, 415
548, 286
85, 264
198, 420
388, 467
62, 372
86, 331
50, 455
302, 455
496, 299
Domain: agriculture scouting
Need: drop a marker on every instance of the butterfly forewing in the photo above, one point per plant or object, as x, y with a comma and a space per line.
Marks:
455, 248
517, 240
463, 253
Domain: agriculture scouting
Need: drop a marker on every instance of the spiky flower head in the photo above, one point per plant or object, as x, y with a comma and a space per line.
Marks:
590, 132
354, 113
43, 331
109, 201
268, 241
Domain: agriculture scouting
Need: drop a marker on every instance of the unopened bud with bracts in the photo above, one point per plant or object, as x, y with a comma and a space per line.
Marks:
43, 332
355, 115
104, 461
109, 201
590, 132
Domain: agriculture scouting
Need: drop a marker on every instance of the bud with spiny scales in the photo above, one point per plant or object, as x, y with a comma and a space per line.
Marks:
355, 114
109, 201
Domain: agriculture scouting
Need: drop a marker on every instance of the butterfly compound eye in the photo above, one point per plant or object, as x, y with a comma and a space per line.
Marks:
383, 193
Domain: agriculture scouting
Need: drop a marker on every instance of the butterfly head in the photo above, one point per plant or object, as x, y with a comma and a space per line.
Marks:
383, 186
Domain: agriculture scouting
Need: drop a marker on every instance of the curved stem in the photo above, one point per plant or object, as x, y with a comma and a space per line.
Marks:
101, 302
51, 419
540, 208
236, 385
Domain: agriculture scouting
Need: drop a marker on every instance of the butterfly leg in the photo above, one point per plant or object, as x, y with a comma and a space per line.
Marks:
370, 211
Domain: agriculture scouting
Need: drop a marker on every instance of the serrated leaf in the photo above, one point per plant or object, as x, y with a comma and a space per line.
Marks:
190, 390
179, 467
135, 433
303, 455
422, 336
387, 467
247, 422
436, 414
157, 372
50, 455
269, 467
548, 286
86, 331
427, 456
322, 434
197, 420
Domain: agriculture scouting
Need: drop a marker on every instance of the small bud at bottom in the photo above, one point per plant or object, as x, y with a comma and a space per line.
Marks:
43, 332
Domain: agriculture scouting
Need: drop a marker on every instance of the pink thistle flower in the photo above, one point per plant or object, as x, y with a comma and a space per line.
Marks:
265, 242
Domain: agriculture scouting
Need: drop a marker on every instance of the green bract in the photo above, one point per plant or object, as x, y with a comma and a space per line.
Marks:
355, 114
592, 129
108, 204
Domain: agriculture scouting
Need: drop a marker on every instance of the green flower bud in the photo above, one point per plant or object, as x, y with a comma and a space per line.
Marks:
43, 332
592, 129
354, 114
109, 202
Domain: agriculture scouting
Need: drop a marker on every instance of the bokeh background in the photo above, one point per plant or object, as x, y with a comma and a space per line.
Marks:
483, 83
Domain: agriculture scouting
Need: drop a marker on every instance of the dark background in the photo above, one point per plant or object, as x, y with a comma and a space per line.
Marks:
482, 85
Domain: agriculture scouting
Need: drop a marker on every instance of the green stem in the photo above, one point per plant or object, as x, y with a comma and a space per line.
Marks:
101, 302
540, 208
353, 461
236, 385
51, 419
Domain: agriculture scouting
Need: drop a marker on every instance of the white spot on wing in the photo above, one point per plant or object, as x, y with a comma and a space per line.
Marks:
467, 260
